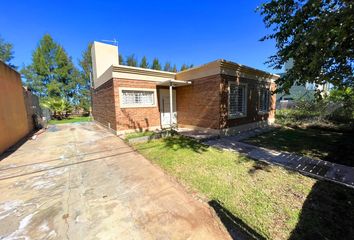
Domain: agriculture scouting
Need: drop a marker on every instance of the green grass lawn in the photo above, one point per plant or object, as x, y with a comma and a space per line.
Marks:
269, 200
331, 146
70, 120
138, 134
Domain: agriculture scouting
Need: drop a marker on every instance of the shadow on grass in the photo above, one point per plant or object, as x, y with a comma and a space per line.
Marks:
327, 213
258, 165
179, 142
235, 226
342, 152
335, 147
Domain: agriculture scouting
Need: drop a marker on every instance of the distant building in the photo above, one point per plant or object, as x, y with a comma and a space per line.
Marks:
297, 92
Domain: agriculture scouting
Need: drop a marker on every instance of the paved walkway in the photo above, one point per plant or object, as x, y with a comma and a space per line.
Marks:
77, 181
315, 168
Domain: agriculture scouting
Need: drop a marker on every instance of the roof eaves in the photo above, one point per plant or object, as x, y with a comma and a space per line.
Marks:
143, 71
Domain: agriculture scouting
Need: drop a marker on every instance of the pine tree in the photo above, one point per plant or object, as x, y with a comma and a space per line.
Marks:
84, 96
121, 60
6, 52
167, 67
184, 67
174, 69
156, 64
131, 61
52, 73
144, 63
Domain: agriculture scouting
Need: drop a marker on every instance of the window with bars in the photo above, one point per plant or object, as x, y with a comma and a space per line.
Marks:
237, 100
264, 96
138, 98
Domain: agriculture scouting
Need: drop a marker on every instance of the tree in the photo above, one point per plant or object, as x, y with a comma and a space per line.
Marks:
60, 107
317, 35
156, 64
345, 99
84, 86
6, 52
184, 67
167, 67
52, 73
121, 59
131, 61
144, 63
174, 69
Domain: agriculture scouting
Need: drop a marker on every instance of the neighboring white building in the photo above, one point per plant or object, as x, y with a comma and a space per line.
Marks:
297, 92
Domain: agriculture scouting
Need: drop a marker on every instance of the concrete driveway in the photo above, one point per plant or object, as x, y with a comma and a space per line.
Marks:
77, 181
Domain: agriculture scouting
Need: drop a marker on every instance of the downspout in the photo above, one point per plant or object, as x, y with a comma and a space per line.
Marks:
171, 104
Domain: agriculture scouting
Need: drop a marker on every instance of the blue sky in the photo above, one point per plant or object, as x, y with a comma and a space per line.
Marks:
177, 31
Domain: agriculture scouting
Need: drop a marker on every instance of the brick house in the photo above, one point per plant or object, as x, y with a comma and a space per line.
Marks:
220, 97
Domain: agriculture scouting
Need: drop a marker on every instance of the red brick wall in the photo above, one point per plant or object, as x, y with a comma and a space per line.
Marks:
204, 104
253, 87
198, 103
103, 109
135, 118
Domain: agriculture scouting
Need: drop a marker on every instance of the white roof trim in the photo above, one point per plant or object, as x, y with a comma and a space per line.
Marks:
144, 69
175, 83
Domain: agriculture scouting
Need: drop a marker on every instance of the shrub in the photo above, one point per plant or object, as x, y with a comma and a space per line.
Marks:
345, 98
59, 107
335, 111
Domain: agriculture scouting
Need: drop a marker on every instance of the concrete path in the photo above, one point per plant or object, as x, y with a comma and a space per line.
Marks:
78, 181
312, 167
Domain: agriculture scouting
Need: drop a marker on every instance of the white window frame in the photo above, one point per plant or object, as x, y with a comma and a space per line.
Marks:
122, 105
262, 111
245, 101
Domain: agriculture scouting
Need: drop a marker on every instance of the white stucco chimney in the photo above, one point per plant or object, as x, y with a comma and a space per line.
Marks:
103, 56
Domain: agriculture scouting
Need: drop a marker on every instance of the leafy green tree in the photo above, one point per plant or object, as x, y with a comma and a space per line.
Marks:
52, 73
84, 84
191, 66
121, 60
317, 35
156, 64
6, 52
131, 61
167, 67
174, 68
144, 63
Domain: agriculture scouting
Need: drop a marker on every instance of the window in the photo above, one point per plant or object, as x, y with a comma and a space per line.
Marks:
237, 100
137, 98
264, 96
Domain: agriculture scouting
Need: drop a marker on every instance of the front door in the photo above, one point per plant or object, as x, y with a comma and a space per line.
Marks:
165, 108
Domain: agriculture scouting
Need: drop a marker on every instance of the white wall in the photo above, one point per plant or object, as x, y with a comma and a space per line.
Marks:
103, 57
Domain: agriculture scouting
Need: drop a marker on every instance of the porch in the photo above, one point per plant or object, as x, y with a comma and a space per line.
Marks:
168, 103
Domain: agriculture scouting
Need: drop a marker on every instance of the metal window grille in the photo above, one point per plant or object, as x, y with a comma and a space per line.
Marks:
264, 96
133, 97
237, 100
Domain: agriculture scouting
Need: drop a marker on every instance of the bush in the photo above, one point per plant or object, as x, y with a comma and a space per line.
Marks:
59, 107
345, 98
333, 112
